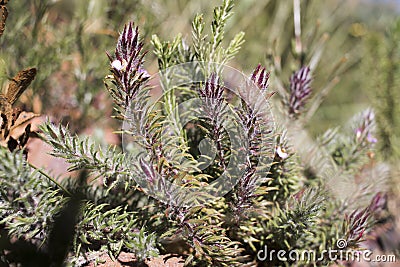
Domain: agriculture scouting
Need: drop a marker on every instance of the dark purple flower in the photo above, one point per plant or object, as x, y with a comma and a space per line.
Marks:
300, 90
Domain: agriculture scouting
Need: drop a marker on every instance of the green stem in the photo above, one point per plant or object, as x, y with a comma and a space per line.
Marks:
50, 178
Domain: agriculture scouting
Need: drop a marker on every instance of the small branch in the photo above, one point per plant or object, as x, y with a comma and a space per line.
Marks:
297, 26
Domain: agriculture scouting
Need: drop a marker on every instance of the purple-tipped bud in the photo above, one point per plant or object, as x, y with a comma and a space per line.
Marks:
300, 90
127, 63
211, 94
364, 133
260, 77
128, 45
212, 88
378, 202
357, 223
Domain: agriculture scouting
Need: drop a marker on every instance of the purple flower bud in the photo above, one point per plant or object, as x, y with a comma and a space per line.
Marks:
128, 45
260, 77
300, 90
378, 202
211, 95
364, 133
212, 88
127, 63
357, 223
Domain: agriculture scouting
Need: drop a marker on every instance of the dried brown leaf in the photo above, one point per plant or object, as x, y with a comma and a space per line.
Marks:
24, 118
19, 83
3, 18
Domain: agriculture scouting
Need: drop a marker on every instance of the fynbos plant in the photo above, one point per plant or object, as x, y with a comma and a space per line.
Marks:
299, 90
203, 169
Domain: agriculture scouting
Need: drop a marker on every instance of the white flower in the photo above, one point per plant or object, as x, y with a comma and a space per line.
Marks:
281, 152
116, 64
